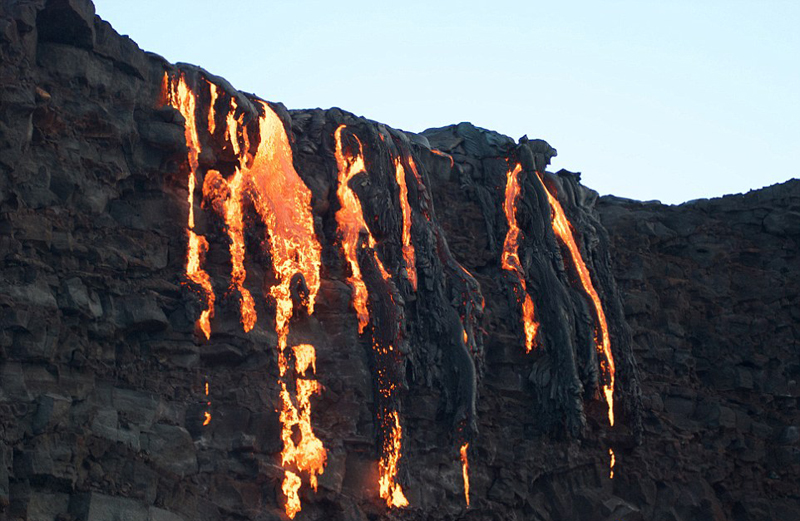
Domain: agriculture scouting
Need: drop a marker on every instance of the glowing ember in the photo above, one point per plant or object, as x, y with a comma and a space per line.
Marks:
611, 466
290, 487
408, 247
390, 491
197, 248
207, 414
465, 471
351, 224
510, 258
226, 198
563, 230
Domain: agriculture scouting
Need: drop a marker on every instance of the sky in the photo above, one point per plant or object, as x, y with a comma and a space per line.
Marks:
648, 99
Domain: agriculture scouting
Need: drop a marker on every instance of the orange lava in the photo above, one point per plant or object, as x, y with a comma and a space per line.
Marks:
611, 466
390, 491
180, 96
351, 224
408, 246
290, 487
207, 418
442, 154
226, 198
308, 454
563, 230
212, 124
465, 471
510, 258
197, 248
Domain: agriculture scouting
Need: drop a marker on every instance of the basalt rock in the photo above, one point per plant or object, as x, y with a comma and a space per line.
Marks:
115, 405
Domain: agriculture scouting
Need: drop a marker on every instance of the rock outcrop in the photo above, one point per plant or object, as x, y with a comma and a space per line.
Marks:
116, 404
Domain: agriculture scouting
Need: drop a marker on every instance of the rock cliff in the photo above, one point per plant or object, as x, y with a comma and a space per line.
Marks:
213, 307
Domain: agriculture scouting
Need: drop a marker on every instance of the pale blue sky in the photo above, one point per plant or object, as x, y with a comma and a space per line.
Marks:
670, 100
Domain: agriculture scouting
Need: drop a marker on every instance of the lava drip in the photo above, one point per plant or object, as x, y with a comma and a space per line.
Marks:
180, 96
358, 246
207, 414
465, 471
510, 258
563, 229
408, 246
611, 464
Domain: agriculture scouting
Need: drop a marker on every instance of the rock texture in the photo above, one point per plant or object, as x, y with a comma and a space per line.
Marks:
103, 369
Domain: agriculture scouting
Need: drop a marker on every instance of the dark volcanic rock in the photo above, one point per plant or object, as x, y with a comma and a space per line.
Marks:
103, 370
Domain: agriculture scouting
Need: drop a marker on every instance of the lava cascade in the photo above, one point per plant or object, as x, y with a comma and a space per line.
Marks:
510, 257
408, 246
283, 203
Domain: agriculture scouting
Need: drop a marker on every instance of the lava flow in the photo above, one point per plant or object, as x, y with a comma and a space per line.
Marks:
465, 471
408, 247
390, 491
283, 202
180, 96
510, 258
563, 230
352, 225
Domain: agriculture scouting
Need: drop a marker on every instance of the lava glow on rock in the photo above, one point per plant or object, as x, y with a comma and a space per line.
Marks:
510, 258
408, 246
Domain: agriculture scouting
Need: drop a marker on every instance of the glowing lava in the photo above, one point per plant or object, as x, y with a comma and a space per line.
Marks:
510, 258
212, 124
465, 471
442, 154
563, 230
226, 198
611, 466
180, 96
351, 224
390, 491
207, 414
408, 247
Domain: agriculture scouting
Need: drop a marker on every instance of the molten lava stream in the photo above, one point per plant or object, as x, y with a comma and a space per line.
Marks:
408, 246
180, 96
611, 465
563, 229
465, 471
390, 491
510, 257
226, 198
283, 202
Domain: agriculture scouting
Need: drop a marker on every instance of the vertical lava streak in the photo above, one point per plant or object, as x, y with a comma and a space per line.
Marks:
611, 465
181, 97
563, 230
510, 258
351, 223
226, 198
408, 247
212, 123
465, 471
390, 491
207, 414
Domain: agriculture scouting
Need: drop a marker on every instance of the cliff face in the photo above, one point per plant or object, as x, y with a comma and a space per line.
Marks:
209, 302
